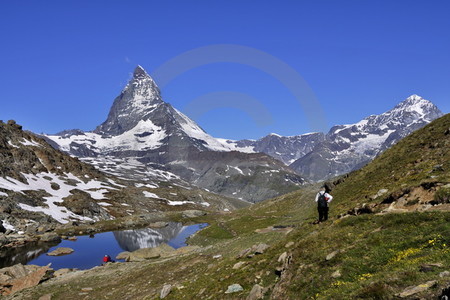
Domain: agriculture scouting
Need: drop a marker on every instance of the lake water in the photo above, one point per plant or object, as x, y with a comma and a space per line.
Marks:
89, 251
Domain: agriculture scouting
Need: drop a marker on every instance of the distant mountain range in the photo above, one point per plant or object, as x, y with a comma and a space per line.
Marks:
319, 156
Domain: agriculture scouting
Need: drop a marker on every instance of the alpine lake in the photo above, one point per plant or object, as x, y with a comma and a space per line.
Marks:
89, 250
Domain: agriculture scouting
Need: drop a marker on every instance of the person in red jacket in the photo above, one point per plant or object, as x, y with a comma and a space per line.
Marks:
107, 258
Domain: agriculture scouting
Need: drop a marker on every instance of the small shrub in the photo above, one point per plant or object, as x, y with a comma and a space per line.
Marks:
376, 290
442, 195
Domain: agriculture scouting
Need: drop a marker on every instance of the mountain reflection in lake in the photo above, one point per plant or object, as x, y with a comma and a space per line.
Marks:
131, 240
90, 251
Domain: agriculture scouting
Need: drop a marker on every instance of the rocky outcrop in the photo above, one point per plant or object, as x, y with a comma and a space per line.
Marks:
150, 253
60, 251
19, 277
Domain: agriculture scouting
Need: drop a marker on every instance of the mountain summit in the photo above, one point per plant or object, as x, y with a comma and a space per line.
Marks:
139, 98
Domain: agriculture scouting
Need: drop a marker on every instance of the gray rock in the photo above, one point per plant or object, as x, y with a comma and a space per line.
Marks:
50, 237
260, 248
256, 293
409, 291
19, 277
151, 253
332, 255
64, 271
238, 265
289, 245
60, 251
234, 288
193, 213
336, 274
123, 255
167, 288
282, 257
158, 224
444, 274
46, 297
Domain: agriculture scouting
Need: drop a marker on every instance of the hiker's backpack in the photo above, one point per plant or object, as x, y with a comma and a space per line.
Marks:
322, 202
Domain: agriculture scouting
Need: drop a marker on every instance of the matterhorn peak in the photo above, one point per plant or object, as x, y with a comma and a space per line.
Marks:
139, 97
140, 73
414, 97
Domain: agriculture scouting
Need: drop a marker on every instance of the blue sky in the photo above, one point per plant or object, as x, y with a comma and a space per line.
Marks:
62, 63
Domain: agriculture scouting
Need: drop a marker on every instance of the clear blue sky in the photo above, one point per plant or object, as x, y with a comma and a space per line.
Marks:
62, 63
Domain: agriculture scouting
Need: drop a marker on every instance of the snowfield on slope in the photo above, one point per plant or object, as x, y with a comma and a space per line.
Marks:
40, 181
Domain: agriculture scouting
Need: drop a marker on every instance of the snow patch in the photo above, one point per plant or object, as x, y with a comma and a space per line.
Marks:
8, 226
37, 182
150, 195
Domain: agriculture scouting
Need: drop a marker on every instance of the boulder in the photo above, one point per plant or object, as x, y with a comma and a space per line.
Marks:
260, 248
19, 277
158, 224
256, 293
409, 291
60, 251
238, 265
290, 244
336, 274
123, 255
151, 253
193, 213
46, 297
444, 274
50, 237
332, 255
255, 249
165, 291
63, 271
234, 288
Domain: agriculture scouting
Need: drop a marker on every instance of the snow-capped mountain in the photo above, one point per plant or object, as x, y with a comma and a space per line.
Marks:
284, 148
349, 147
147, 139
319, 156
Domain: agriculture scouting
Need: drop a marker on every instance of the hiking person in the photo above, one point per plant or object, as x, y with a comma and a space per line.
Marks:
322, 199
